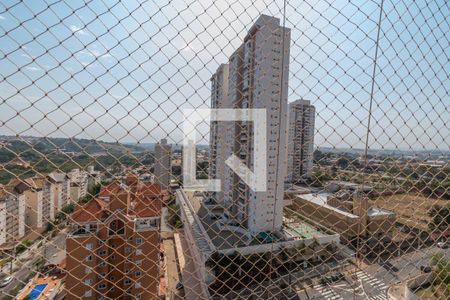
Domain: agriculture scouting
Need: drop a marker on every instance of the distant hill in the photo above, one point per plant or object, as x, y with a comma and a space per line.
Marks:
19, 145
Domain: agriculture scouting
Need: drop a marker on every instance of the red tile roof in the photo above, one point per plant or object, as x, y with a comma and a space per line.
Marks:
94, 210
145, 201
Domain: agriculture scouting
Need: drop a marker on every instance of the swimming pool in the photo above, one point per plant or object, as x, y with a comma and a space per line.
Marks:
37, 291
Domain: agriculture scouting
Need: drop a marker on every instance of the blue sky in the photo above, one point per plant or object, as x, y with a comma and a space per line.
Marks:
122, 70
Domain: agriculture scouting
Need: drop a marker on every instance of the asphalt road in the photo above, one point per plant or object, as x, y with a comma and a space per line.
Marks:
399, 269
23, 269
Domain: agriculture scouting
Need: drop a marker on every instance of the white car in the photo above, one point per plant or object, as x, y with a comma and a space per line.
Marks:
6, 281
442, 245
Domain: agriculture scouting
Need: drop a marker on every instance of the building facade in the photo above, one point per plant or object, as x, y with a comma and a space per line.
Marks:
61, 189
78, 184
218, 130
300, 140
258, 78
163, 153
39, 202
113, 249
12, 215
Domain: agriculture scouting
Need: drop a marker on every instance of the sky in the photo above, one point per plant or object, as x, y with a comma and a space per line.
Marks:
123, 70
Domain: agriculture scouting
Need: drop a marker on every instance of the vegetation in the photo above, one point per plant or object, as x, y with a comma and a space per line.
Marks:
91, 193
440, 217
319, 178
441, 269
24, 245
45, 155
173, 218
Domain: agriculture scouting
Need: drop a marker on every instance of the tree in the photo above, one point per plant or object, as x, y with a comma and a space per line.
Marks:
343, 162
440, 217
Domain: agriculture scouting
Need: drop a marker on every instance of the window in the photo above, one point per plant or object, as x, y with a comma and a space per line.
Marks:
137, 285
88, 294
137, 273
138, 262
128, 249
138, 251
127, 282
102, 252
89, 258
101, 286
127, 271
102, 264
112, 278
88, 270
138, 241
113, 256
88, 281
89, 246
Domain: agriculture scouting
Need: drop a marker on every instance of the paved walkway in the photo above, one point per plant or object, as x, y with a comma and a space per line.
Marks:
190, 277
171, 267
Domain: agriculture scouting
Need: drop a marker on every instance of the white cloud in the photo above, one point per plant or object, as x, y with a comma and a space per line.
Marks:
94, 53
77, 30
31, 68
188, 48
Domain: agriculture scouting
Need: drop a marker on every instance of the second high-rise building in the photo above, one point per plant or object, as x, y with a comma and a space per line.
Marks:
300, 140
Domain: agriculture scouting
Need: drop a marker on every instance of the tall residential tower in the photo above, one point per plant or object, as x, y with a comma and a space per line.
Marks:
219, 99
163, 153
258, 78
300, 140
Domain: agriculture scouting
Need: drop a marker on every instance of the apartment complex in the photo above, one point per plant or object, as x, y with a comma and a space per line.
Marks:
162, 171
300, 140
79, 182
12, 215
61, 189
94, 177
113, 249
257, 78
39, 202
218, 130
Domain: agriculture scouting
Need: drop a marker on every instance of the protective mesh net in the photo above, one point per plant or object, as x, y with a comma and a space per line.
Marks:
326, 123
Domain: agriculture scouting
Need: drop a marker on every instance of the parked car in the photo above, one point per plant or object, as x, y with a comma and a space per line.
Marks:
425, 269
442, 245
179, 286
6, 281
332, 278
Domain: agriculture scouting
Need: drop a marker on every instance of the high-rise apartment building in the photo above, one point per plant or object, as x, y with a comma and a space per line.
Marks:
12, 215
218, 130
162, 171
300, 140
113, 249
79, 182
39, 202
258, 78
61, 189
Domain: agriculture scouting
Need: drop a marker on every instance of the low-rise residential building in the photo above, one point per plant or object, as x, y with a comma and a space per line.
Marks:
61, 189
12, 215
113, 249
347, 214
